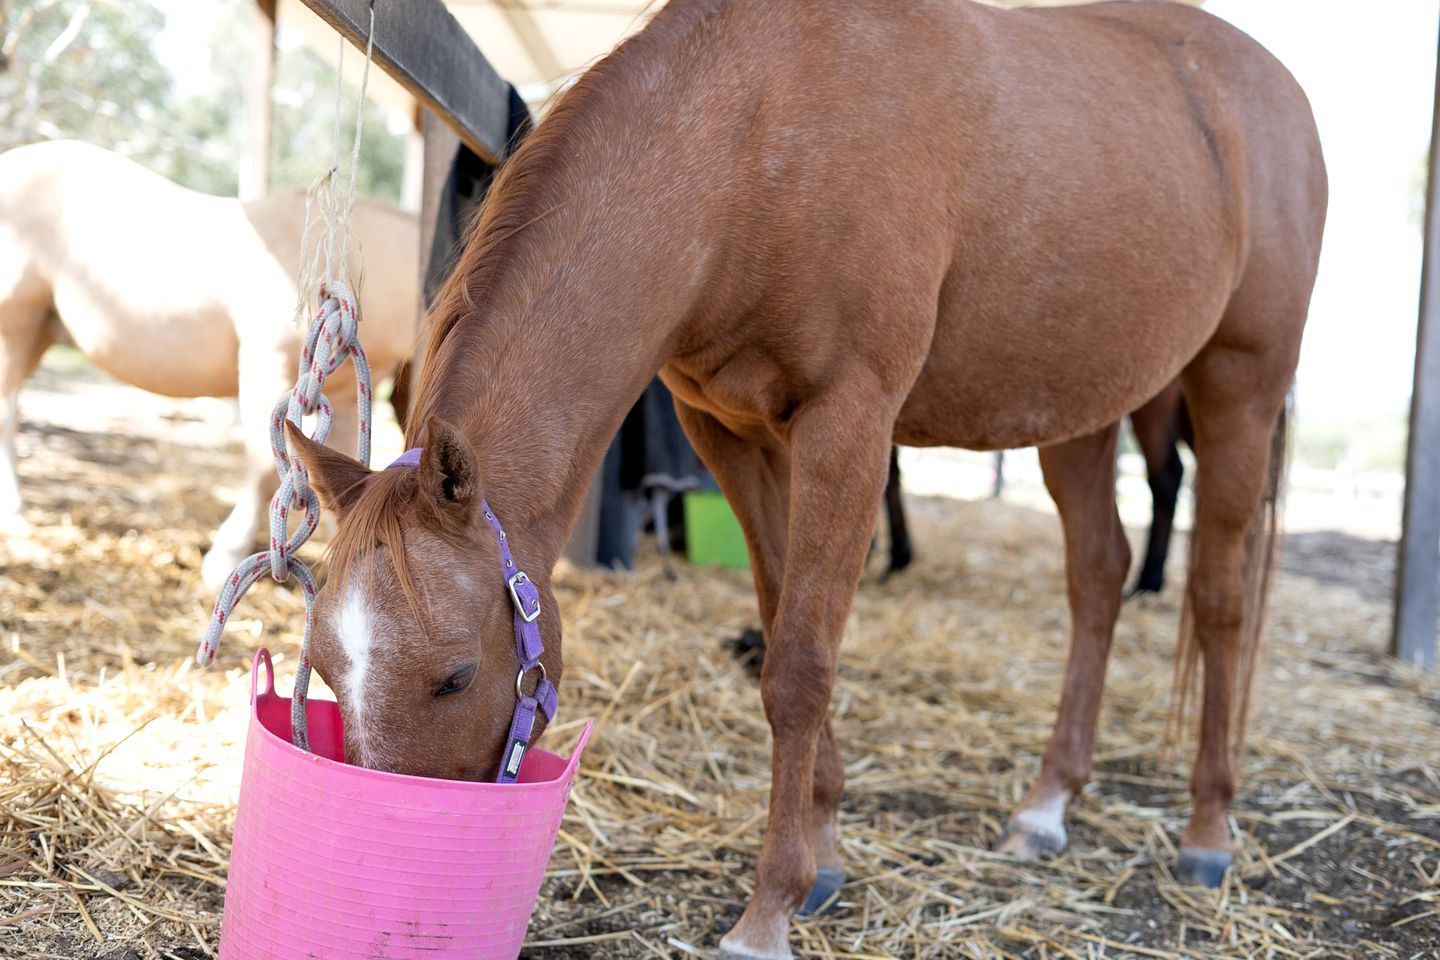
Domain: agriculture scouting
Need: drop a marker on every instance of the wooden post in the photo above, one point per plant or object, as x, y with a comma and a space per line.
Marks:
255, 162
532, 38
1418, 570
412, 175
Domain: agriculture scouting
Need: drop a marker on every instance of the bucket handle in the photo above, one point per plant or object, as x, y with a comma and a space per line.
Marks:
262, 656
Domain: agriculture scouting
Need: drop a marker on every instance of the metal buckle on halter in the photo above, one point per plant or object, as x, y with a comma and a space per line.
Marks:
520, 679
526, 615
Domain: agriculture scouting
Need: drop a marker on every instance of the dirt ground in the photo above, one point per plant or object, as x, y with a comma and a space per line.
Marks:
120, 760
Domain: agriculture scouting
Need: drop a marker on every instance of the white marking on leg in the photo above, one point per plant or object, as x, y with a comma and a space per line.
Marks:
773, 947
1046, 818
355, 628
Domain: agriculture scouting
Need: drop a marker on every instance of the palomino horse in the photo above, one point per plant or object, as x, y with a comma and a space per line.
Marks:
830, 226
178, 293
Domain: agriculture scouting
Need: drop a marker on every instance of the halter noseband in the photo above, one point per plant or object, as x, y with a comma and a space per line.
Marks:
528, 645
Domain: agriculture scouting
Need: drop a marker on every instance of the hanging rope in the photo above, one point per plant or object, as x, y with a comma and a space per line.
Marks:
333, 337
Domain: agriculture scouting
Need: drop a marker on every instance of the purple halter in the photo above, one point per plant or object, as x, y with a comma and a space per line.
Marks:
528, 646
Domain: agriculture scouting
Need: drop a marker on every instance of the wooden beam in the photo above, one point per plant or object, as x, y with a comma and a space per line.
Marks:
420, 45
440, 147
1418, 571
532, 38
255, 161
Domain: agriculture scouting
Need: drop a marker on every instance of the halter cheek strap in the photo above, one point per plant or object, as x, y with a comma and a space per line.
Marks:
528, 646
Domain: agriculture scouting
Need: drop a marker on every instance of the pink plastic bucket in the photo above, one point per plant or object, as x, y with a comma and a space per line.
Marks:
339, 862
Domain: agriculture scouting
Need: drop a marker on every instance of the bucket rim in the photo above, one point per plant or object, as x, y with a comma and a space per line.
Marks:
336, 768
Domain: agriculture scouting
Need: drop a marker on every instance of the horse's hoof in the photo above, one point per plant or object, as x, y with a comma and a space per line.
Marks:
1029, 843
825, 894
900, 559
730, 950
726, 953
15, 525
1203, 868
749, 647
215, 568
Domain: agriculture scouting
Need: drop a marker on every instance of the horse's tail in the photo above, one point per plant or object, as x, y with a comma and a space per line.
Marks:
1262, 552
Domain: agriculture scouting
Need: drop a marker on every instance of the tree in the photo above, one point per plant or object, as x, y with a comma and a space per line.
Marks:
83, 69
87, 69
304, 123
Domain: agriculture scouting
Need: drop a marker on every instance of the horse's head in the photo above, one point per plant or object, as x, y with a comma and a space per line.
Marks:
415, 626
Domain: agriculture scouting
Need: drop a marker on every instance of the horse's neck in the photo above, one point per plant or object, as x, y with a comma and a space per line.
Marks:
583, 278
542, 376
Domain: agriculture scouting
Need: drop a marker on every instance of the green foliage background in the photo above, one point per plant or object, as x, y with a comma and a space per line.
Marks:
87, 70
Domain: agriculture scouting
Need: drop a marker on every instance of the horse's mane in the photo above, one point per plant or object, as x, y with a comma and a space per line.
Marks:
531, 190
518, 200
522, 196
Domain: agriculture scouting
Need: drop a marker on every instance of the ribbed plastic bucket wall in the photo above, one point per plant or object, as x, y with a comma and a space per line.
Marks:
337, 862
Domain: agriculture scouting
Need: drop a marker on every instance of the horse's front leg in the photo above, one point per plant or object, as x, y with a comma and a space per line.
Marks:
756, 482
266, 371
838, 459
24, 338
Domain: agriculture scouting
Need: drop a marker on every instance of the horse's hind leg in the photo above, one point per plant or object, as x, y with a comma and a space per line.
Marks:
1236, 398
901, 551
1080, 475
1157, 431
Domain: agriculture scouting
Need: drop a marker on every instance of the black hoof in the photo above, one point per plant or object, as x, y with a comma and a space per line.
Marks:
900, 558
1027, 844
825, 894
748, 648
1203, 868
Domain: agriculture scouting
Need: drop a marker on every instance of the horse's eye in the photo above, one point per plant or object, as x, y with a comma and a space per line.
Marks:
457, 681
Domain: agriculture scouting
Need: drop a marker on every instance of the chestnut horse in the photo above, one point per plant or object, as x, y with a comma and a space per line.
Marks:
832, 226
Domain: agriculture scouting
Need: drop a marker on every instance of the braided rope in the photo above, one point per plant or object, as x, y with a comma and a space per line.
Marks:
333, 337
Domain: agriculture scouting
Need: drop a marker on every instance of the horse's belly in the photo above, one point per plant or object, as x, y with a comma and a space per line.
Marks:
190, 356
998, 386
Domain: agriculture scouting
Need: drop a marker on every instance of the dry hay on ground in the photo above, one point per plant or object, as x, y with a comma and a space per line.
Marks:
119, 761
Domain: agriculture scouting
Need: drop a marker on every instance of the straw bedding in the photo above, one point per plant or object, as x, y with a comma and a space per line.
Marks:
119, 761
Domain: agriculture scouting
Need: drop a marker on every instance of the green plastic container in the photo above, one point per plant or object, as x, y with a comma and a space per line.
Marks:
713, 537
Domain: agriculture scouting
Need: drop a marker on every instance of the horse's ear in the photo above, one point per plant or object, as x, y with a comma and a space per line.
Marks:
334, 477
448, 471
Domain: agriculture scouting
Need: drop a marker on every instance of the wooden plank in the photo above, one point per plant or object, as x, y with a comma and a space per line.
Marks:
255, 160
1418, 574
421, 45
532, 38
441, 145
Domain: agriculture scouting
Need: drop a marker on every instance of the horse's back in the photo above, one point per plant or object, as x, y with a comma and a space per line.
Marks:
1127, 167
384, 263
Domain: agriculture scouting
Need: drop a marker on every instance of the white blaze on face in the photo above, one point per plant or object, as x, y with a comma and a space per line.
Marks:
356, 631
